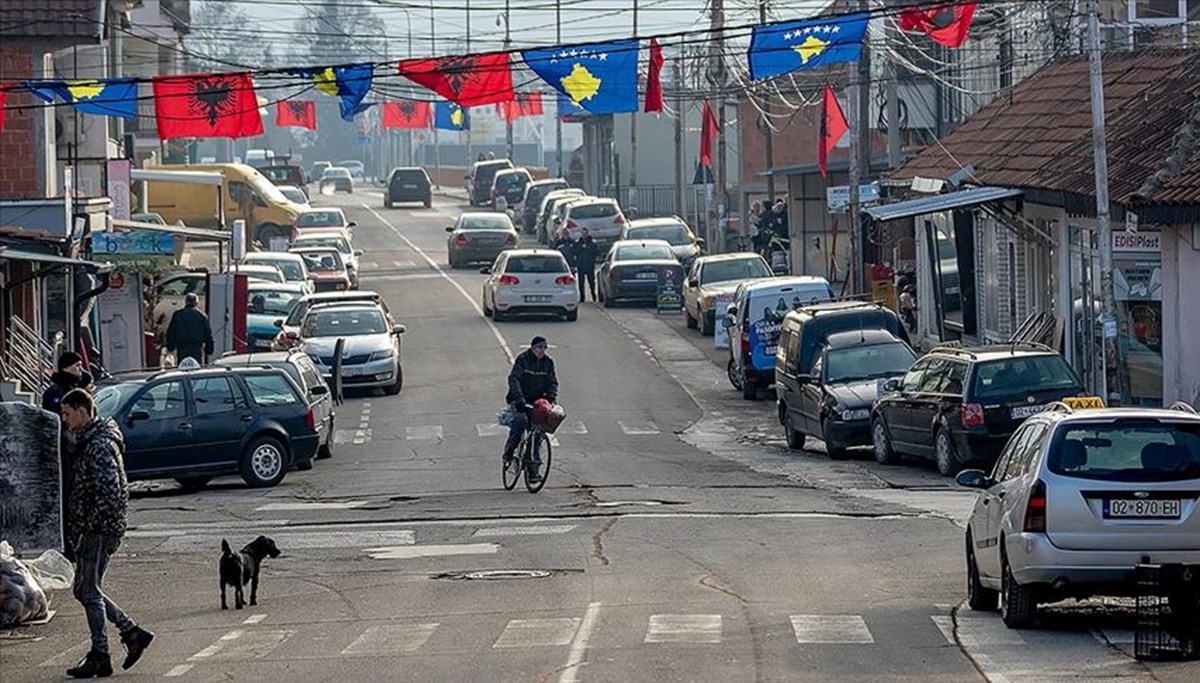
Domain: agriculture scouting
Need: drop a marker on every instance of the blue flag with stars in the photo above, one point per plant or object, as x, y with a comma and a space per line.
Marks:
567, 108
600, 78
777, 49
450, 116
104, 97
350, 83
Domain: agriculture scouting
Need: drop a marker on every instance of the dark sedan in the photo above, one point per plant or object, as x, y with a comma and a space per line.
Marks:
684, 243
408, 185
631, 270
479, 237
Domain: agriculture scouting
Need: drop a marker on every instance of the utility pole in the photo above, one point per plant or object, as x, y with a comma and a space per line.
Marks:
558, 143
768, 137
859, 95
716, 82
680, 209
437, 147
891, 86
508, 124
633, 120
1112, 346
470, 156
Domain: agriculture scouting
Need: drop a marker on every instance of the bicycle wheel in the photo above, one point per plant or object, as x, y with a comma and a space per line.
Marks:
539, 453
511, 468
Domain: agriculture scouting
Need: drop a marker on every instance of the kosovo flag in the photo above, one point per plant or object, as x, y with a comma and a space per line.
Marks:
104, 97
600, 78
450, 116
780, 48
350, 82
567, 108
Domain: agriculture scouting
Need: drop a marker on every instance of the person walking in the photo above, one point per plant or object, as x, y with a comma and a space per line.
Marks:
189, 334
70, 375
566, 246
587, 252
95, 524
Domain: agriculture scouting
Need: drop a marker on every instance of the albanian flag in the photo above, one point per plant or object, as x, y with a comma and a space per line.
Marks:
468, 81
709, 130
3, 99
945, 23
297, 114
654, 95
833, 128
525, 104
406, 114
206, 106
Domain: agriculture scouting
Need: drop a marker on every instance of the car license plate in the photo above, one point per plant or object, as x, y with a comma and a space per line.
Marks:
647, 276
539, 299
351, 371
1022, 412
1133, 508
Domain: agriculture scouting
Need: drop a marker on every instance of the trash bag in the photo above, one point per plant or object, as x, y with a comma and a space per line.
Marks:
506, 417
53, 571
21, 598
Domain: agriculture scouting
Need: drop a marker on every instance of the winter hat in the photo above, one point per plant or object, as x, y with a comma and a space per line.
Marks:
537, 341
67, 359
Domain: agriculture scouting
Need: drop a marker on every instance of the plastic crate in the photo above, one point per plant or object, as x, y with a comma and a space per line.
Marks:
1168, 612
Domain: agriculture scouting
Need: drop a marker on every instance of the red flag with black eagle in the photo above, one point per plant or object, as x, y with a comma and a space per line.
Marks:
945, 23
524, 104
654, 93
406, 114
297, 114
468, 80
206, 106
833, 127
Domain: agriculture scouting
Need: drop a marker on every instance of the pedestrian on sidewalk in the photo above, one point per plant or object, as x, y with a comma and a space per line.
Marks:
566, 246
94, 526
189, 334
70, 375
587, 252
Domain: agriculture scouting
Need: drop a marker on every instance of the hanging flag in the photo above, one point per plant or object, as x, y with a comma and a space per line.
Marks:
567, 110
709, 130
945, 23
350, 82
103, 97
468, 81
601, 78
654, 96
450, 116
296, 114
833, 128
3, 101
206, 106
780, 48
525, 104
406, 114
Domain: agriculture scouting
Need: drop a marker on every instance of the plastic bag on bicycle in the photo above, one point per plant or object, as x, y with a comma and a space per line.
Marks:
506, 417
548, 416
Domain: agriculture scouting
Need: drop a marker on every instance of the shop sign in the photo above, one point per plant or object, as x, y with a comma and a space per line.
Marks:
1125, 242
837, 198
134, 248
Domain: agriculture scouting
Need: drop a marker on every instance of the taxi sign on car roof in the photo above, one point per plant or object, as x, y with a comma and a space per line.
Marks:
1084, 402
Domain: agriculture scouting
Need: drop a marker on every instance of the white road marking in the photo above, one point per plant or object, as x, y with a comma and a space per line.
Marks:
355, 436
424, 432
399, 277
408, 552
492, 429
638, 428
391, 639
684, 628
216, 647
433, 264
403, 264
287, 507
292, 540
254, 619
570, 672
831, 629
70, 655
179, 670
246, 645
538, 632
493, 531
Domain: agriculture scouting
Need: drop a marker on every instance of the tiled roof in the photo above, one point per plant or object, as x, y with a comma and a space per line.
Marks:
50, 18
1039, 135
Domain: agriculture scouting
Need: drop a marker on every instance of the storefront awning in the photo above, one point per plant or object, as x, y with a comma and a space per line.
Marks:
183, 231
38, 257
942, 202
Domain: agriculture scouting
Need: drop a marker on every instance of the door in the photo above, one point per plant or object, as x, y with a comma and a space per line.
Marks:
924, 406
221, 416
786, 367
158, 430
998, 500
897, 410
810, 396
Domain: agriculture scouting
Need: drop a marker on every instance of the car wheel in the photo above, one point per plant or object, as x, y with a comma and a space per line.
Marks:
487, 312
608, 300
268, 232
979, 598
691, 322
428, 203
833, 449
325, 452
263, 462
387, 204
881, 441
947, 457
497, 315
193, 483
749, 391
735, 377
795, 437
1018, 604
395, 387
572, 316
305, 465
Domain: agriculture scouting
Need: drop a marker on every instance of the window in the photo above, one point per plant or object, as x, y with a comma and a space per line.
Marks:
322, 261
818, 365
599, 210
734, 269
1128, 450
308, 372
956, 374
213, 395
164, 401
322, 219
269, 302
270, 390
1010, 460
675, 235
338, 243
343, 322
485, 222
537, 264
1020, 375
913, 379
643, 253
932, 381
869, 362
183, 285
790, 342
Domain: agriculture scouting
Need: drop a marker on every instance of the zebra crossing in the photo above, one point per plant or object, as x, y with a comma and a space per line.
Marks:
363, 433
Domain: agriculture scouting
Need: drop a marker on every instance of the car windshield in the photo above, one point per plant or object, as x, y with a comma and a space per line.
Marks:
642, 252
867, 362
598, 210
485, 222
108, 399
538, 192
297, 315
537, 264
1130, 450
268, 273
1023, 374
294, 194
323, 219
675, 235
271, 301
506, 180
322, 261
292, 270
336, 173
333, 242
343, 322
411, 175
267, 189
737, 269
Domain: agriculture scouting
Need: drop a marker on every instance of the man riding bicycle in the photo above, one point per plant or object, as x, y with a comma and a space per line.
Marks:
532, 377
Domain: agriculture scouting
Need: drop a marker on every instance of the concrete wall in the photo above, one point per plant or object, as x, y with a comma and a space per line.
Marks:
1181, 315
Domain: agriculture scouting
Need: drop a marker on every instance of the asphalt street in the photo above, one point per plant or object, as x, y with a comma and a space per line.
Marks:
677, 538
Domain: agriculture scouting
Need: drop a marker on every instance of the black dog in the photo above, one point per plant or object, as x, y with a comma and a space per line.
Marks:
238, 569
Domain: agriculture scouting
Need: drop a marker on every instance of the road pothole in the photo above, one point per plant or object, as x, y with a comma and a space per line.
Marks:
504, 574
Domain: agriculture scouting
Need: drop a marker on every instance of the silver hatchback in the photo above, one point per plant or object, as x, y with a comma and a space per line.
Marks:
1076, 501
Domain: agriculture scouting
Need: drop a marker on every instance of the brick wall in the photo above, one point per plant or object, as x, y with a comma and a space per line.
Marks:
19, 170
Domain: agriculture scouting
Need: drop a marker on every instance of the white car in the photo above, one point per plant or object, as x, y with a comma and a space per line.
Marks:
269, 273
371, 357
530, 281
544, 222
602, 217
326, 218
291, 265
712, 276
338, 239
170, 294
294, 194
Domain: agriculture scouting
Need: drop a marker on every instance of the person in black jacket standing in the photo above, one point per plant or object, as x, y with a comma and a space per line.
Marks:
70, 375
189, 334
532, 377
587, 252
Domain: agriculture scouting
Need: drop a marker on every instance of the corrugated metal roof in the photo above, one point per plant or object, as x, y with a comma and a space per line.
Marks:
942, 202
50, 18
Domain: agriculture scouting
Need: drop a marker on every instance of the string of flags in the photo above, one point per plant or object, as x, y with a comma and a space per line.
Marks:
593, 78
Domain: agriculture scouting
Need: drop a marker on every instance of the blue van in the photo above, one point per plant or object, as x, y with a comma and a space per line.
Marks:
754, 320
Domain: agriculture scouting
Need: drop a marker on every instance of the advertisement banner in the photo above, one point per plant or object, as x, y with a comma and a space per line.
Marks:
670, 292
135, 249
721, 334
764, 331
118, 174
120, 311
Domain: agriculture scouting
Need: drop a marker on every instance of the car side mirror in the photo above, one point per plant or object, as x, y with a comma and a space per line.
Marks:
449, 228
358, 252
398, 329
693, 282
973, 479
319, 390
137, 416
292, 335
278, 323
892, 384
485, 271
732, 310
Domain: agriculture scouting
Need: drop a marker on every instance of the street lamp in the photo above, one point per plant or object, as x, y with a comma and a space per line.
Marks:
508, 110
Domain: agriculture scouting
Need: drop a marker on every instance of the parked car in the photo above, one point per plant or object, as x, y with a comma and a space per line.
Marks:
754, 320
291, 265
530, 281
259, 271
325, 267
408, 185
171, 292
602, 217
191, 426
1076, 501
324, 218
479, 237
531, 203
292, 322
510, 184
371, 358
960, 405
632, 268
357, 170
295, 193
318, 169
300, 368
550, 206
479, 180
713, 275
684, 243
267, 302
832, 398
812, 323
338, 239
338, 178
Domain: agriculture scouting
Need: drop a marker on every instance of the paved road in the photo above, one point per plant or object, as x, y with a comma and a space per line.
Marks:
677, 539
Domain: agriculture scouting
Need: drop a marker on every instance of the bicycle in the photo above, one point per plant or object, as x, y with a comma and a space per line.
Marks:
532, 455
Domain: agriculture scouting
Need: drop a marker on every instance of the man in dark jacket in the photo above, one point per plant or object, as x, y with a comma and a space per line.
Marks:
70, 375
94, 526
587, 252
532, 377
189, 334
566, 246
